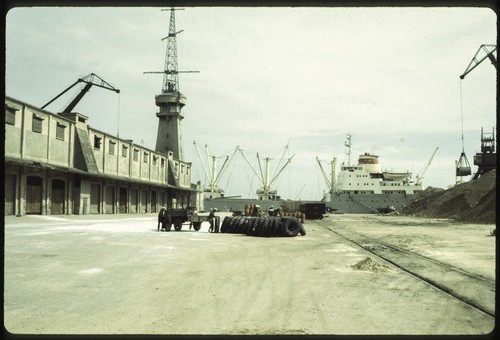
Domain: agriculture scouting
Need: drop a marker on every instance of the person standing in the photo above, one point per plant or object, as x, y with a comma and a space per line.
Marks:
211, 218
193, 213
277, 212
164, 220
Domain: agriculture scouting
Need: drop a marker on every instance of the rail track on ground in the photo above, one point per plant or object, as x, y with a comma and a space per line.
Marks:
472, 289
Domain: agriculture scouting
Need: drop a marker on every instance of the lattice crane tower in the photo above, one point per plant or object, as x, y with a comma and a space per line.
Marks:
170, 101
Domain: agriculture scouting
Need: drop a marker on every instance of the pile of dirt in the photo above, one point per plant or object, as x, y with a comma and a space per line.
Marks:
369, 264
471, 202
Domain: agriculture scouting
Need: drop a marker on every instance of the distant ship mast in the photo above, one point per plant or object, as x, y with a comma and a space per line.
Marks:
332, 181
211, 172
348, 144
265, 178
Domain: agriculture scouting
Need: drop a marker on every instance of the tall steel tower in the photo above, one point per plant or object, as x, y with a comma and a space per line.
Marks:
170, 101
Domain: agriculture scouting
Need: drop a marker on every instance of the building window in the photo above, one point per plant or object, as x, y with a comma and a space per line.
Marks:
37, 124
136, 155
97, 142
10, 115
60, 131
124, 151
146, 157
112, 146
182, 169
155, 159
163, 162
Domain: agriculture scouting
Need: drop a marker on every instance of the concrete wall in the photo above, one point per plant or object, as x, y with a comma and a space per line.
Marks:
22, 142
43, 146
50, 154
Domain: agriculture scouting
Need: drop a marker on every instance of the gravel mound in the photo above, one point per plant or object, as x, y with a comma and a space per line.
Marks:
369, 264
471, 202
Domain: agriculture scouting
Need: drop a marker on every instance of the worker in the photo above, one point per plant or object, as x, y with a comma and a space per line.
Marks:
271, 211
217, 223
193, 213
277, 212
211, 218
164, 219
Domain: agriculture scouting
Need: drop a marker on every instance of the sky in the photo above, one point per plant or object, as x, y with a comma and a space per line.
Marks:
275, 81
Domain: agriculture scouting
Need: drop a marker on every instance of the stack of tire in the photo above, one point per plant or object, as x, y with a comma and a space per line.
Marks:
263, 226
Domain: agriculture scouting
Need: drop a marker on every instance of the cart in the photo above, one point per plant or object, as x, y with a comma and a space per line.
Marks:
178, 217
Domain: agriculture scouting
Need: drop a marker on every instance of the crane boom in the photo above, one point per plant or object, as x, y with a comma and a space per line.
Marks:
201, 159
225, 165
91, 79
211, 174
248, 162
279, 172
489, 49
325, 176
421, 175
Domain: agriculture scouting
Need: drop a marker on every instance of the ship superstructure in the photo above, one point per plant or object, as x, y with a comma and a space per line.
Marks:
365, 188
367, 177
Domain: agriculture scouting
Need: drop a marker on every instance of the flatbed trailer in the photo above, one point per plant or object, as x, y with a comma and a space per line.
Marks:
198, 219
178, 217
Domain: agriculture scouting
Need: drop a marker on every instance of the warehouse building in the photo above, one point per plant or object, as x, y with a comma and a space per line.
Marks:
57, 164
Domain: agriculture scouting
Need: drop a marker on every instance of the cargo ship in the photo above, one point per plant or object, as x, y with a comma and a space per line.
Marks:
365, 188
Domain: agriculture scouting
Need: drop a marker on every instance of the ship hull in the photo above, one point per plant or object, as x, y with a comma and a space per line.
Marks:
349, 203
226, 204
237, 204
367, 203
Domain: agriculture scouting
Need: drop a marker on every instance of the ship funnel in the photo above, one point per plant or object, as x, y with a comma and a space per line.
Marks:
369, 163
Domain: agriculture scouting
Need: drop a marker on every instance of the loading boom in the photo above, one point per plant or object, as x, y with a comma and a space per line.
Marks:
90, 80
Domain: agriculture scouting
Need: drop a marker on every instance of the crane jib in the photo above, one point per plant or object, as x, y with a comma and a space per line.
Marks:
89, 80
489, 49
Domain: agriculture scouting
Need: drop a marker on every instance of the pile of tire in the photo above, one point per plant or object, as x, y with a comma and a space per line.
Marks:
263, 226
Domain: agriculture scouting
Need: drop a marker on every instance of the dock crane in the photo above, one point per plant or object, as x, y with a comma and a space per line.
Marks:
90, 80
488, 49
463, 167
421, 174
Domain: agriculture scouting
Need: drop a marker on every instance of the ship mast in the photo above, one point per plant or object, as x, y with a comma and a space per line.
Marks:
348, 144
332, 181
265, 178
211, 173
334, 174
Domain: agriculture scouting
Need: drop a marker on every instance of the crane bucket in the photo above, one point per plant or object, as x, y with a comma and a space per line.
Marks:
463, 166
